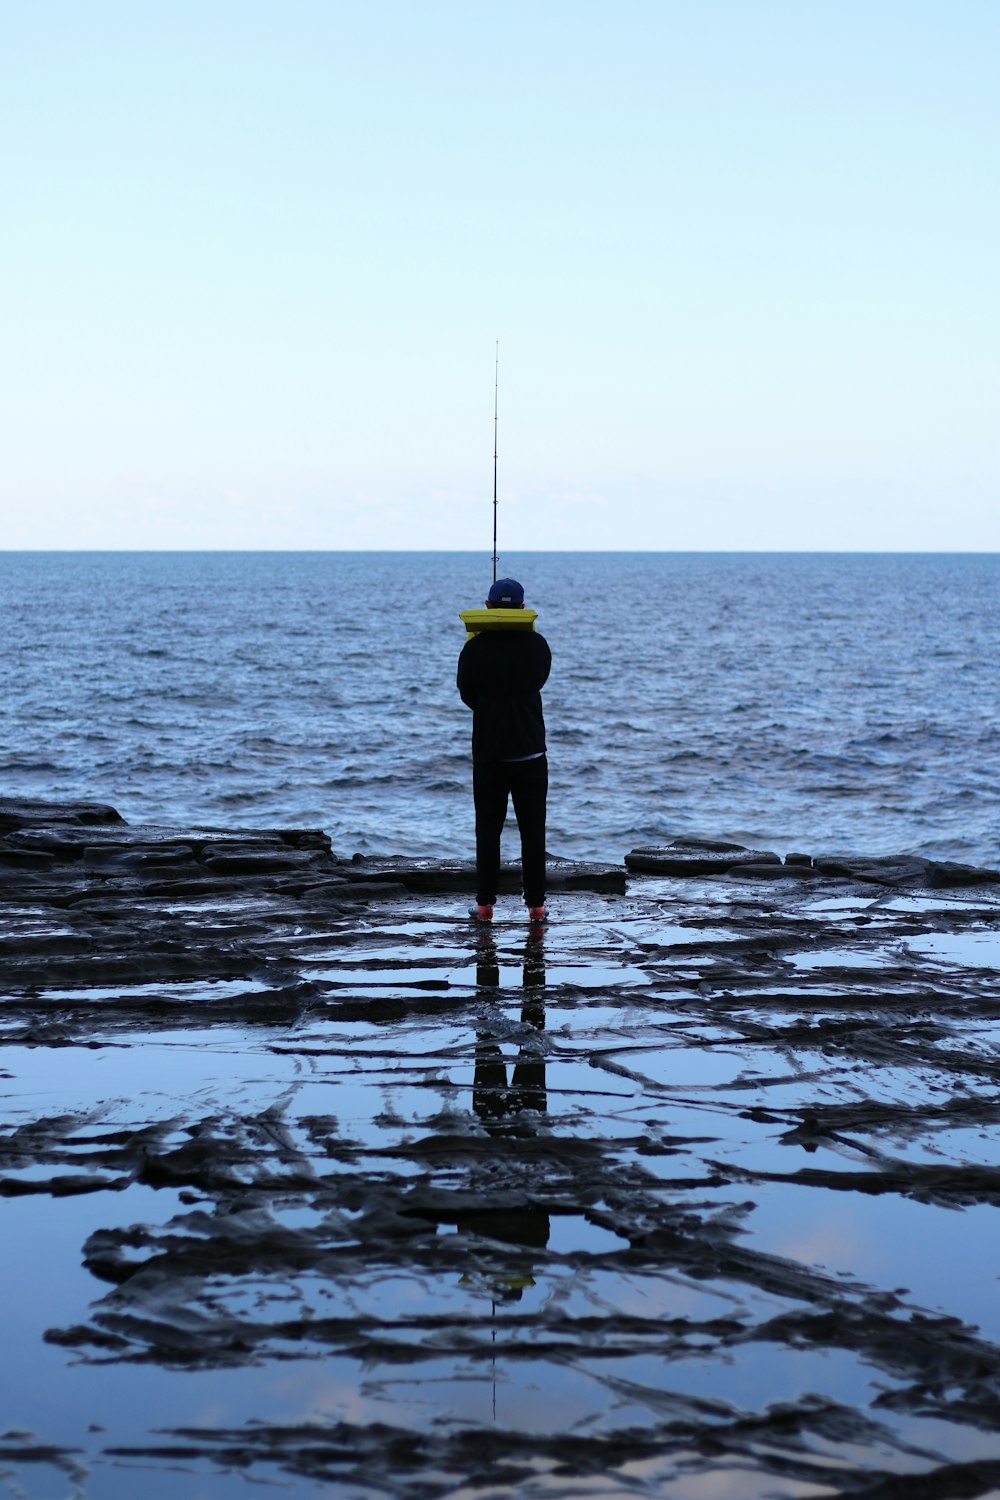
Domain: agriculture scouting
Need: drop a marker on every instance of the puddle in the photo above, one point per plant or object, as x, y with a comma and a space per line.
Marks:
486, 973
570, 1234
673, 1067
735, 1376
129, 994
943, 1258
947, 905
383, 976
975, 950
141, 1079
419, 928
586, 1019
838, 904
838, 958
669, 936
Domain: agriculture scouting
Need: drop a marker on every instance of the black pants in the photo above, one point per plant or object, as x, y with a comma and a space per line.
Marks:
526, 782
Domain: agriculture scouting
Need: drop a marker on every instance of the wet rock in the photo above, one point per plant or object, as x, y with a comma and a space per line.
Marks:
39, 842
312, 1131
945, 873
257, 861
904, 870
898, 870
439, 875
696, 857
771, 869
25, 859
574, 875
22, 813
70, 848
693, 857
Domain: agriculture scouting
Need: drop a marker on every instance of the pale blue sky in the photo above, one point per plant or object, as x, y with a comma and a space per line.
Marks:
741, 257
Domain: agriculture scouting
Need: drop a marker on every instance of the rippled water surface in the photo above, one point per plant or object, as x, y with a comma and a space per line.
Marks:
823, 702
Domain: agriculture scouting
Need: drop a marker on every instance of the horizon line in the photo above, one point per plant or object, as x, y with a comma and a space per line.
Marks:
518, 551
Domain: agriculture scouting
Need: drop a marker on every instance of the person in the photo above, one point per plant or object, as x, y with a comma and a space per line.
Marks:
500, 677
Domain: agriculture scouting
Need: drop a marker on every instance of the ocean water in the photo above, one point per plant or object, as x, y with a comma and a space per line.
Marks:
792, 701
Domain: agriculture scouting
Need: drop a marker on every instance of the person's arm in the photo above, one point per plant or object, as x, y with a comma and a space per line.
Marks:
466, 680
543, 660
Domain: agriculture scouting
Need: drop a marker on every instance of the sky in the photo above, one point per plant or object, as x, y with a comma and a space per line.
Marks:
740, 257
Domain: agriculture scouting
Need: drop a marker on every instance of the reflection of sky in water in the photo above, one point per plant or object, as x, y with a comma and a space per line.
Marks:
205, 989
41, 1390
166, 1072
833, 904
733, 1377
629, 1071
671, 935
945, 1258
675, 1067
664, 1294
387, 977
742, 1479
538, 1396
977, 950
950, 1143
838, 958
608, 1394
949, 904
572, 1233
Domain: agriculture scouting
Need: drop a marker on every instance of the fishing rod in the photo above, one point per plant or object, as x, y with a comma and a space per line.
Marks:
496, 391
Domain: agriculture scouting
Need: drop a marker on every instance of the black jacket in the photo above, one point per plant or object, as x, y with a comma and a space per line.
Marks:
500, 674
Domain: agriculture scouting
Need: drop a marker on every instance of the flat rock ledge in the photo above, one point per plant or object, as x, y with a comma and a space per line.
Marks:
443, 875
687, 857
711, 1166
75, 846
79, 845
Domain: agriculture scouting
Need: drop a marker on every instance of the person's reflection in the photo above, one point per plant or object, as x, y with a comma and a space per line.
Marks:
509, 1106
493, 1098
487, 963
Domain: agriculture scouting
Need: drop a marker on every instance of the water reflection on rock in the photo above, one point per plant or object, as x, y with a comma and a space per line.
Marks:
508, 1102
308, 1180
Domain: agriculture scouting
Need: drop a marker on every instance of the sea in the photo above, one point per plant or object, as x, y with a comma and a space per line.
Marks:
817, 703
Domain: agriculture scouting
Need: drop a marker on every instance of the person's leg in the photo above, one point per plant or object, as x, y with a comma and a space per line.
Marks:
529, 787
489, 1082
489, 789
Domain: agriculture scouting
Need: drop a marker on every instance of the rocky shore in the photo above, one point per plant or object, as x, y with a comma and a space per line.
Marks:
307, 1181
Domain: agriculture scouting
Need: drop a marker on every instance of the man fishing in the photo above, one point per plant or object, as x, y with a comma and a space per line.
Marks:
500, 677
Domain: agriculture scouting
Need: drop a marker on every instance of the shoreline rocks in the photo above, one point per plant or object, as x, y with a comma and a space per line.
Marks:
690, 857
48, 842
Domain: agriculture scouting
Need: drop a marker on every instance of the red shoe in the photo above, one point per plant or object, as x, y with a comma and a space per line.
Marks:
481, 913
537, 914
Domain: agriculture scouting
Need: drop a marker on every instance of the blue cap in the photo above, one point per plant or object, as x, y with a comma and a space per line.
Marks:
507, 593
